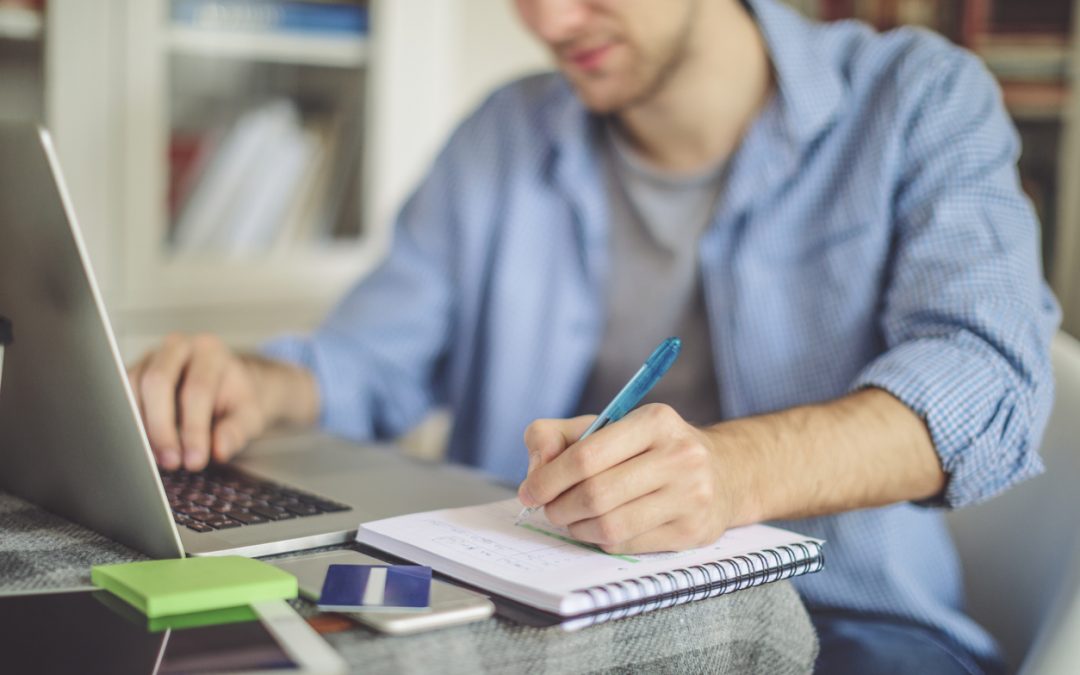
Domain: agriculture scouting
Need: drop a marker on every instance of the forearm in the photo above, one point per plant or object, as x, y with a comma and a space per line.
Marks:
864, 450
288, 395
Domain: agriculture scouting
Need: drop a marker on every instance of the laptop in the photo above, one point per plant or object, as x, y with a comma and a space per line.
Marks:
72, 440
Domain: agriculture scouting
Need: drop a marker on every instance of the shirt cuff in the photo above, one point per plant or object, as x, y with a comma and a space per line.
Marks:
299, 351
976, 408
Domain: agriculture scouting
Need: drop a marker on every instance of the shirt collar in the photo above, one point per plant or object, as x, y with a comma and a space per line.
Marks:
810, 86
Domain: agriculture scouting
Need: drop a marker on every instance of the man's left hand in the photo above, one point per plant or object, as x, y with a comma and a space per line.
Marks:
649, 482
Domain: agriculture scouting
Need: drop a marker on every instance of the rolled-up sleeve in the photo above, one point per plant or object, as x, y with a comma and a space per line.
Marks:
967, 318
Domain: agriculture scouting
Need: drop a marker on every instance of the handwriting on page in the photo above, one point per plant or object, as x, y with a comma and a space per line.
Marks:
493, 538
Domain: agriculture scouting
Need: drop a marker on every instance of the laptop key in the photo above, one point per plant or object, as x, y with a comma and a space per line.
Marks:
301, 509
247, 518
272, 512
221, 498
224, 524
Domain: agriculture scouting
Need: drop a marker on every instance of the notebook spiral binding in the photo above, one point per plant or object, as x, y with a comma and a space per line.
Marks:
698, 582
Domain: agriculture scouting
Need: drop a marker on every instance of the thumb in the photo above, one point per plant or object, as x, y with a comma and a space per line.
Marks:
546, 439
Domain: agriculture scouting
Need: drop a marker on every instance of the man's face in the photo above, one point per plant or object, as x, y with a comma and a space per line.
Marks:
616, 53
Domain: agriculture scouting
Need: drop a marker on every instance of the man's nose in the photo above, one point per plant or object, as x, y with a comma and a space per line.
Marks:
556, 21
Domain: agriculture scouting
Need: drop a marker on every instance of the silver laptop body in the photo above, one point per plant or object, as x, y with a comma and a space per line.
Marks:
72, 441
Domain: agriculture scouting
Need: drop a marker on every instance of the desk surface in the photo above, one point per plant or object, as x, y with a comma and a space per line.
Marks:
763, 629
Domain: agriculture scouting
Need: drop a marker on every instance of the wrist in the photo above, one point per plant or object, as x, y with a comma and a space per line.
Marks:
736, 458
287, 395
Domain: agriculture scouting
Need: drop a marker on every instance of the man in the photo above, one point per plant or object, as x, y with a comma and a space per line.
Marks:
830, 219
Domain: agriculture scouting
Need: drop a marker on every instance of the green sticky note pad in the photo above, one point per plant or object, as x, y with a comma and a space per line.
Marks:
186, 585
213, 617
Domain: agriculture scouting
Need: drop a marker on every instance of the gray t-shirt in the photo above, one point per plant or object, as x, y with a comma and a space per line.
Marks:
655, 289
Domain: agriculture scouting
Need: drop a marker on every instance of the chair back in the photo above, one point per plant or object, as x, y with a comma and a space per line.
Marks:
1020, 551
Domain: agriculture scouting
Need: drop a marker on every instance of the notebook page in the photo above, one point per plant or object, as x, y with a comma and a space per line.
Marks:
538, 562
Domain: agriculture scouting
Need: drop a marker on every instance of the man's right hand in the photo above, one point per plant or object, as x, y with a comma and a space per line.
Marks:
199, 399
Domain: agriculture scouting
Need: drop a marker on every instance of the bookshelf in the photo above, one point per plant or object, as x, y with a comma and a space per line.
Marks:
198, 92
379, 102
309, 50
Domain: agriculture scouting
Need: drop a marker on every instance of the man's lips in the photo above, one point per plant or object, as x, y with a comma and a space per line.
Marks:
590, 59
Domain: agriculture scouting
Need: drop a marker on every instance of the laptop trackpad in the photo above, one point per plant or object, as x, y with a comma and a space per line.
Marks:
379, 481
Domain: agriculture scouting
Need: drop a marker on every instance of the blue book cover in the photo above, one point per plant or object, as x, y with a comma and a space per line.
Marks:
271, 16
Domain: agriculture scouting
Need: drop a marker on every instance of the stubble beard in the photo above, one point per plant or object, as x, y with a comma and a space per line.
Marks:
677, 55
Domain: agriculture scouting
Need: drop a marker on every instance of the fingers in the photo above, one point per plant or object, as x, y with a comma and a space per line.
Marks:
197, 396
606, 492
546, 439
650, 482
238, 421
232, 433
627, 523
608, 447
182, 396
157, 386
671, 536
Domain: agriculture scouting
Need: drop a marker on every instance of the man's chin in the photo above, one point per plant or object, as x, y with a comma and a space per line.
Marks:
602, 101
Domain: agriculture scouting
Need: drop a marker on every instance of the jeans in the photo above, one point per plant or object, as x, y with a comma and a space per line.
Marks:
859, 644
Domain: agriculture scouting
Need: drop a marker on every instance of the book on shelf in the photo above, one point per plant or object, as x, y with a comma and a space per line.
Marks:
284, 16
1037, 57
300, 223
262, 205
272, 183
880, 13
1020, 42
1029, 16
968, 22
1035, 100
189, 156
938, 15
206, 215
21, 19
990, 21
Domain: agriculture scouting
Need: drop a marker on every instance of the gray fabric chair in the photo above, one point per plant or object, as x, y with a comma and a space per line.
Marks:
1021, 551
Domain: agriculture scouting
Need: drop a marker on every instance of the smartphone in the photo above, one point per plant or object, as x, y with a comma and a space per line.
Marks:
93, 631
450, 605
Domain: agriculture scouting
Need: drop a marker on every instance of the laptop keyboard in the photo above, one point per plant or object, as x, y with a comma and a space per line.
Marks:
221, 498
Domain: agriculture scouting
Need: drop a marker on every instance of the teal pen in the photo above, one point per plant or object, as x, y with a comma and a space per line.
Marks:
631, 394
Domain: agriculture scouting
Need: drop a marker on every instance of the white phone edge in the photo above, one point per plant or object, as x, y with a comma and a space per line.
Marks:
312, 654
471, 606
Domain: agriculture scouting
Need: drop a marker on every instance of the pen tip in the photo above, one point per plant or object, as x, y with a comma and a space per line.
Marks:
522, 516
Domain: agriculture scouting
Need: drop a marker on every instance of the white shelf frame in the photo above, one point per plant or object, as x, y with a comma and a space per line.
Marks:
156, 278
411, 42
333, 51
106, 87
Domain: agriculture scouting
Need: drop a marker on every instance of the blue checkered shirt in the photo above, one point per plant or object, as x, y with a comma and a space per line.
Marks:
872, 232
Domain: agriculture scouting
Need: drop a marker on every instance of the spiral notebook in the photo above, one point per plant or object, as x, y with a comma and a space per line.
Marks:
540, 565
